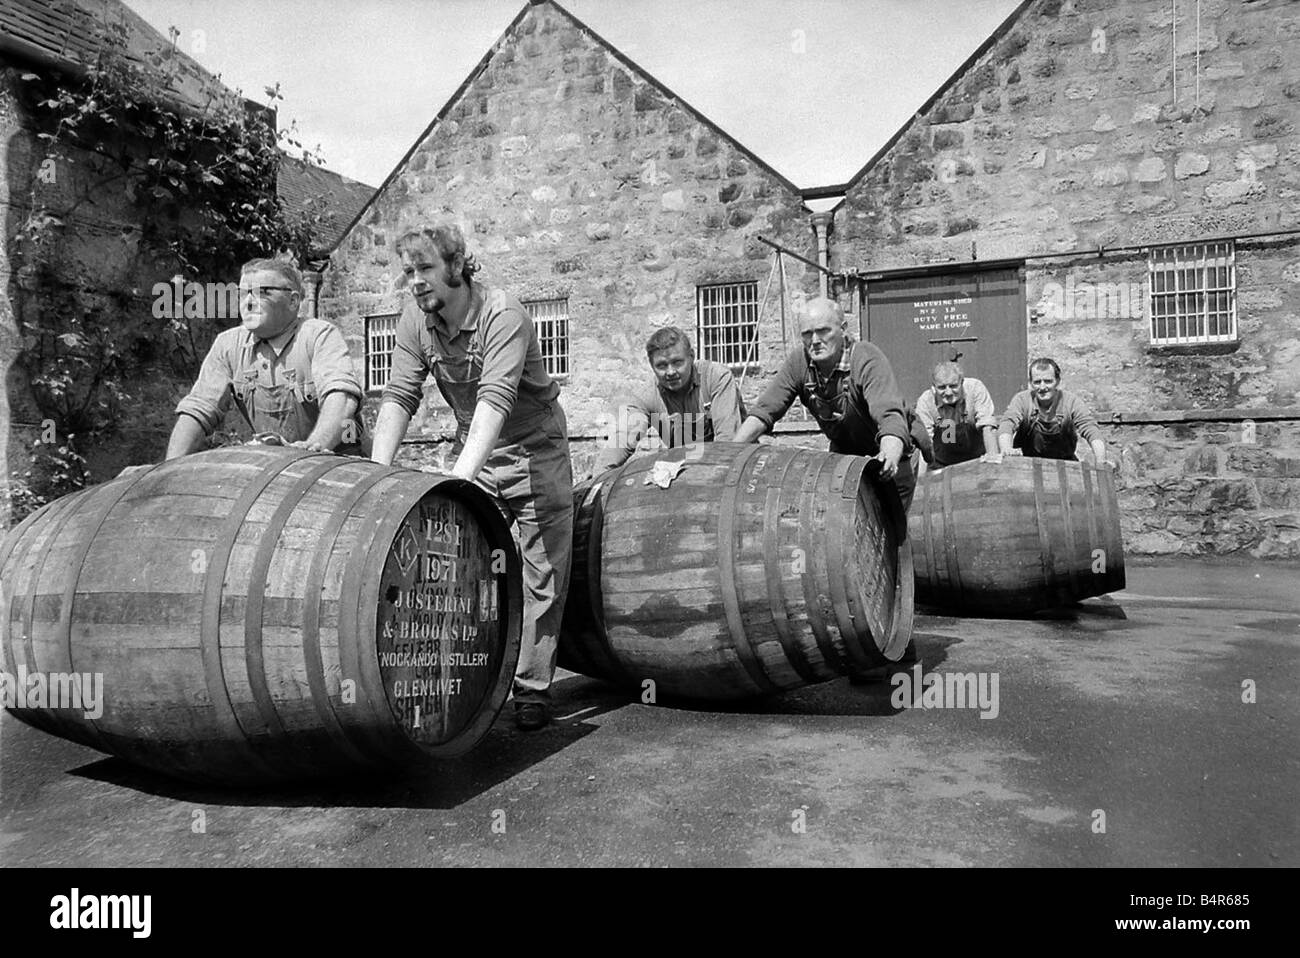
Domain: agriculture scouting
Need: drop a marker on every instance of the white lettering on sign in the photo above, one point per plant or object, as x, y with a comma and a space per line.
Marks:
946, 314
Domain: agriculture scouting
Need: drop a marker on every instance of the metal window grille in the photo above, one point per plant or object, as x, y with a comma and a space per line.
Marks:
551, 317
381, 335
727, 319
1193, 294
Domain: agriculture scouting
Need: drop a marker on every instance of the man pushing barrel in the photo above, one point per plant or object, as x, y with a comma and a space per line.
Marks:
958, 413
512, 439
1046, 422
689, 400
849, 387
289, 377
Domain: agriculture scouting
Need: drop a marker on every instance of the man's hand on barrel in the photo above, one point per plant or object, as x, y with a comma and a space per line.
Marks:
891, 451
311, 445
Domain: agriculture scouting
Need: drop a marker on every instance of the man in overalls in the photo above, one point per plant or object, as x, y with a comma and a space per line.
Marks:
1046, 422
291, 379
958, 413
689, 400
849, 388
512, 439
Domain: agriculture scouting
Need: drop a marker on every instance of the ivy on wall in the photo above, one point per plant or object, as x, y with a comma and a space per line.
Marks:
198, 185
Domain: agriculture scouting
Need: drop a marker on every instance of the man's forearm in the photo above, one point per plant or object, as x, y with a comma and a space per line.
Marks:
187, 436
484, 429
1004, 443
750, 430
390, 427
1098, 450
337, 409
990, 440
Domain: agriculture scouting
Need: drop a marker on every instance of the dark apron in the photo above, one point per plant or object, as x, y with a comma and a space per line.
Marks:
967, 442
458, 381
842, 417
1044, 438
846, 421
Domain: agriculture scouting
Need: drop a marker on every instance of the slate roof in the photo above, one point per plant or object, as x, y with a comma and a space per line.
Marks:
300, 184
68, 34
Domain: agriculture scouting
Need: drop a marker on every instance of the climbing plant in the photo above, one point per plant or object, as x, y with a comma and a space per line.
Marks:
199, 183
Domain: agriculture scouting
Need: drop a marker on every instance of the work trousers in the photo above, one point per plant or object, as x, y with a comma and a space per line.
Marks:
533, 480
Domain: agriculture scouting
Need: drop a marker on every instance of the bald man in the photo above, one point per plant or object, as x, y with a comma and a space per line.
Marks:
849, 388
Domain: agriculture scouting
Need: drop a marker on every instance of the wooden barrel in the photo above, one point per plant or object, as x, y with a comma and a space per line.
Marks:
760, 568
261, 614
1016, 537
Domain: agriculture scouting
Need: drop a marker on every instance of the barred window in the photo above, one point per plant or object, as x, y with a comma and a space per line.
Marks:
381, 335
551, 317
727, 320
1193, 294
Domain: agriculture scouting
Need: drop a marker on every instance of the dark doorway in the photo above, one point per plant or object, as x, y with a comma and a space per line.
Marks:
975, 316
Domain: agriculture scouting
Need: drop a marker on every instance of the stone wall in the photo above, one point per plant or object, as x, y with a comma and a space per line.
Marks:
97, 248
1071, 132
574, 175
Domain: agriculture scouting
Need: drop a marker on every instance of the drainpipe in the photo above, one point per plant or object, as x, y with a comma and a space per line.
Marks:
311, 281
821, 223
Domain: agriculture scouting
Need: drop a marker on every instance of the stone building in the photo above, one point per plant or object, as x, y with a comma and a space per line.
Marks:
1109, 182
1127, 169
601, 199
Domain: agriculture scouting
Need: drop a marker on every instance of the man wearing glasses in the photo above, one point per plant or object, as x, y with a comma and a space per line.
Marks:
849, 388
511, 437
291, 379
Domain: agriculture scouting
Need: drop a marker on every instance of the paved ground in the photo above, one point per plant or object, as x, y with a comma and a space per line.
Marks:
1131, 707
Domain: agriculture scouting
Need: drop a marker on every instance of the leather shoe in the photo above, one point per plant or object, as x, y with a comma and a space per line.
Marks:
530, 716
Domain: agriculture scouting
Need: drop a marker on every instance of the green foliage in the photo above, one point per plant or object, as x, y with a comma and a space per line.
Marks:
201, 185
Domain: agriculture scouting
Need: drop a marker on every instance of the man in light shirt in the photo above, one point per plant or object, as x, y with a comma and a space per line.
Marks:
957, 412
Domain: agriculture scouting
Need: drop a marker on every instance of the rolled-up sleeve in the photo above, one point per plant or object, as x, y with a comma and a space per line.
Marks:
331, 366
409, 366
778, 395
209, 398
505, 348
630, 423
980, 403
875, 377
1015, 414
725, 407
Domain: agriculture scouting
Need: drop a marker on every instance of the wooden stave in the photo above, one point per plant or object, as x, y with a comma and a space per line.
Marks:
725, 674
1024, 563
194, 752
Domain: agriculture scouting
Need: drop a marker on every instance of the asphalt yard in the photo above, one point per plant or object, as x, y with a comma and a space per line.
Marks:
1159, 726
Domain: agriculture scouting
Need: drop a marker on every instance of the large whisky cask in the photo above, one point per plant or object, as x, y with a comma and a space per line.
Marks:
760, 568
257, 614
1015, 537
